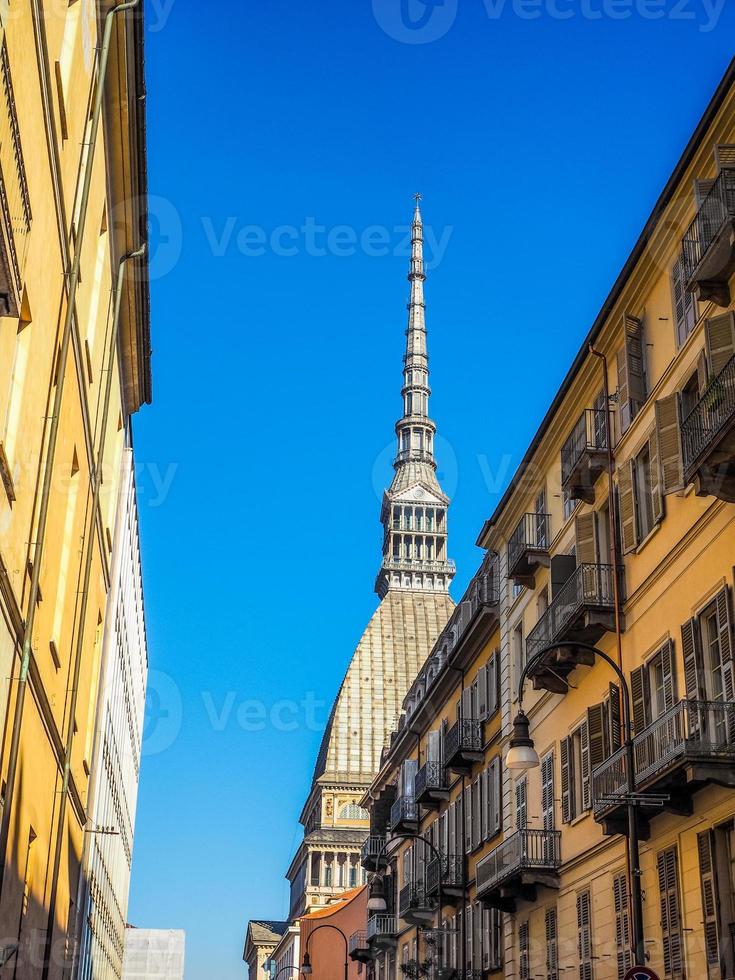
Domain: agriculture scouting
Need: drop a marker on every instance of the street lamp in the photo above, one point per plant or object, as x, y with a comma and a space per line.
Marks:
376, 896
306, 967
523, 755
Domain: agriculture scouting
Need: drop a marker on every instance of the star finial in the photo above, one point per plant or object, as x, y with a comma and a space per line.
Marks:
417, 197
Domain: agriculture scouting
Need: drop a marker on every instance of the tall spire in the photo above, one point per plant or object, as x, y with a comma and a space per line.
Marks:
414, 513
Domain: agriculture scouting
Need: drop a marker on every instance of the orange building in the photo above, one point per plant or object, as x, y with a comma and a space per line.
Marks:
327, 951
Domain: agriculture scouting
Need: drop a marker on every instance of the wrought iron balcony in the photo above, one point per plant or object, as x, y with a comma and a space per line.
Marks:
382, 930
690, 745
583, 610
414, 905
372, 847
404, 815
452, 876
432, 785
359, 947
584, 454
528, 548
708, 438
514, 869
708, 251
463, 745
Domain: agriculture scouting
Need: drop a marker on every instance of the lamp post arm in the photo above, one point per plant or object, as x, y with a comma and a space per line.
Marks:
537, 657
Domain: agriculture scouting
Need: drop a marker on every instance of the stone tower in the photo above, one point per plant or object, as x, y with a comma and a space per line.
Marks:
412, 583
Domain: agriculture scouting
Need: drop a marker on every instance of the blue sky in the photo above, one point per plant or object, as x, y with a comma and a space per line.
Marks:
286, 140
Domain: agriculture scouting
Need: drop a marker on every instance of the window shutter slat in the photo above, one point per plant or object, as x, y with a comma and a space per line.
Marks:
482, 693
668, 434
596, 729
616, 724
565, 752
584, 531
623, 397
719, 332
657, 497
586, 771
627, 507
634, 355
667, 672
709, 897
691, 651
639, 698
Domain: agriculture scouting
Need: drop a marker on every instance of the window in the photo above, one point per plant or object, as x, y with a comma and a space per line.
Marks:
547, 791
707, 655
569, 505
492, 948
584, 935
351, 811
632, 391
518, 650
671, 926
517, 588
643, 496
653, 688
575, 773
684, 303
552, 956
621, 904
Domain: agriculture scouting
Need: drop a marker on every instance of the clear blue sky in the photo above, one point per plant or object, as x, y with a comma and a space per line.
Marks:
540, 145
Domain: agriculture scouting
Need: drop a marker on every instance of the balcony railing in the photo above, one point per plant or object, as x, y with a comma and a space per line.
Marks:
689, 731
523, 851
413, 901
420, 564
582, 455
464, 736
716, 208
531, 537
431, 776
372, 847
709, 420
358, 942
589, 586
415, 455
405, 810
381, 927
452, 873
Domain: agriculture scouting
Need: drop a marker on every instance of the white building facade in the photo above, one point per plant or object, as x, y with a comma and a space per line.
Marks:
154, 954
105, 881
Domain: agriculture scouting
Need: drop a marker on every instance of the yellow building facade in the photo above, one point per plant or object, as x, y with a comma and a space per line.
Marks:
617, 533
74, 367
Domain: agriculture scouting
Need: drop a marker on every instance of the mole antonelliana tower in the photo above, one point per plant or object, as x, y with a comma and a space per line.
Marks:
413, 586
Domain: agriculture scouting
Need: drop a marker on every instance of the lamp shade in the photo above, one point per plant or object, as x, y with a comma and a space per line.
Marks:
522, 753
376, 898
306, 965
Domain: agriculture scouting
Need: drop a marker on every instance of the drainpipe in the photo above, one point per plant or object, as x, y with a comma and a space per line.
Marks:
631, 841
73, 283
82, 618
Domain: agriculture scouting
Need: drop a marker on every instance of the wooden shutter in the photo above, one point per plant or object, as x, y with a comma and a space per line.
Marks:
492, 684
410, 767
482, 693
433, 746
627, 507
496, 794
622, 924
623, 391
719, 332
702, 372
640, 698
671, 933
566, 798
547, 791
709, 896
468, 819
654, 465
552, 961
584, 532
524, 972
485, 802
667, 673
724, 629
691, 645
521, 804
584, 935
634, 355
684, 308
668, 433
476, 814
466, 709
616, 724
586, 770
596, 729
